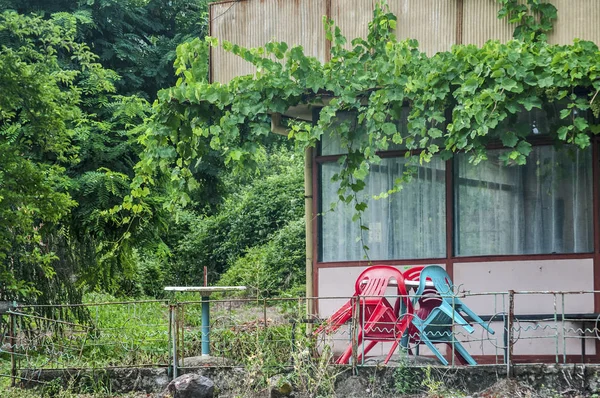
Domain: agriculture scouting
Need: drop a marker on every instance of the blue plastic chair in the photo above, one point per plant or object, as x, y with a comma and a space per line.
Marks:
451, 305
435, 325
437, 328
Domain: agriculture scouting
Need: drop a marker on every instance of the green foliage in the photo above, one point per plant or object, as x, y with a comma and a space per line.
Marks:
137, 39
456, 100
274, 268
249, 217
533, 18
40, 119
407, 379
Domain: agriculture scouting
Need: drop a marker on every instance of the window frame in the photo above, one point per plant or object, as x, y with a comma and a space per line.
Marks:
451, 257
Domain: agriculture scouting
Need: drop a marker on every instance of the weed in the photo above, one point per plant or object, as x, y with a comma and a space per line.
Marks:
435, 387
407, 379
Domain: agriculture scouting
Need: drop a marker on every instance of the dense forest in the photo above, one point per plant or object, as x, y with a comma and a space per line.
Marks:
78, 83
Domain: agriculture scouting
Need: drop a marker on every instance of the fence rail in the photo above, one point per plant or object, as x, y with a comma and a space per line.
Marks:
273, 333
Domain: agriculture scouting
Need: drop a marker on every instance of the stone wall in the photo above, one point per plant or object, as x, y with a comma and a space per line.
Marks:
371, 381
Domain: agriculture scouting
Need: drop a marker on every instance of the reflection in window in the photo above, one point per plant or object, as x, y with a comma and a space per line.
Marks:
409, 224
542, 207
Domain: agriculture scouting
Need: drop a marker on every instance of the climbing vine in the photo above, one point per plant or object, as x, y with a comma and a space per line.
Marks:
453, 101
533, 19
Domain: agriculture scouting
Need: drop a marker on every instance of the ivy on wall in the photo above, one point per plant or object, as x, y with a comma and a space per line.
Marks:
456, 100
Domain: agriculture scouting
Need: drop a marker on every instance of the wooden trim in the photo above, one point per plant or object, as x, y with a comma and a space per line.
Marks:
453, 260
316, 181
524, 257
327, 159
366, 263
533, 140
596, 215
450, 217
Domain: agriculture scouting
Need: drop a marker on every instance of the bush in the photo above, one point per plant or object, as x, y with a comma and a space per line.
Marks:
248, 218
273, 268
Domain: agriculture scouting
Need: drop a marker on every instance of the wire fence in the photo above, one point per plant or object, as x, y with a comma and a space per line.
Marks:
516, 327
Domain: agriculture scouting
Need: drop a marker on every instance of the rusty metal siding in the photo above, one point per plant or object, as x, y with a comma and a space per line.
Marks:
436, 24
252, 23
481, 23
431, 22
576, 19
353, 17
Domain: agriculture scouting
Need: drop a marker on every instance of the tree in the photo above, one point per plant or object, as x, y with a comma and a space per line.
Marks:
45, 76
135, 38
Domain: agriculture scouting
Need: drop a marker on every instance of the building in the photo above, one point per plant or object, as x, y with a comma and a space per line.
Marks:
494, 228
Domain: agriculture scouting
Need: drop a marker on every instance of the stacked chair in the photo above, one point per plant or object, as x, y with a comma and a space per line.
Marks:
428, 317
439, 310
379, 321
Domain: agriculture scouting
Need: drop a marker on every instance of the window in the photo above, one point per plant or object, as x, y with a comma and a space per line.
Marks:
542, 207
409, 224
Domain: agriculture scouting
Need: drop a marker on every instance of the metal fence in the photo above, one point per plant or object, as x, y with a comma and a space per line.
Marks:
84, 336
275, 333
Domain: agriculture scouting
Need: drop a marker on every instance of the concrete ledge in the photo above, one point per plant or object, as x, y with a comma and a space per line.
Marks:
373, 381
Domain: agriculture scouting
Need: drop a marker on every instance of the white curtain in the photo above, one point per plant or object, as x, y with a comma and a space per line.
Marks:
409, 224
542, 207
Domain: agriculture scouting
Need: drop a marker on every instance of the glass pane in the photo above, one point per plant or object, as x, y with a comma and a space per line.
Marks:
409, 224
331, 143
542, 207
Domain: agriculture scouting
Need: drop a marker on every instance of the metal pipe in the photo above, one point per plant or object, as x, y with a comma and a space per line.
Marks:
173, 321
12, 336
205, 326
308, 219
511, 312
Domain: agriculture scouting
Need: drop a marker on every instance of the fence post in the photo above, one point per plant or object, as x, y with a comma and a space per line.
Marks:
173, 335
205, 326
12, 330
511, 314
354, 330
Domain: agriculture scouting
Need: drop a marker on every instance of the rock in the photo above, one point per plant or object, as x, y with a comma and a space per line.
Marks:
279, 387
204, 361
352, 387
190, 386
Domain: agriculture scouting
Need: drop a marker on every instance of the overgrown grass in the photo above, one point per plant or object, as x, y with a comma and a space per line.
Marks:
255, 334
115, 335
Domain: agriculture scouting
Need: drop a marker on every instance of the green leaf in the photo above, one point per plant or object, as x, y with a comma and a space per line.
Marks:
531, 102
509, 139
580, 123
389, 128
582, 140
524, 148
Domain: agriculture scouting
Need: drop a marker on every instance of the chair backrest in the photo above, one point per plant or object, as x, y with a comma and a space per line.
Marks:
440, 278
413, 274
375, 280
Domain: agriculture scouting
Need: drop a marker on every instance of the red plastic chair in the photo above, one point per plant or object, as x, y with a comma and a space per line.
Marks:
379, 320
412, 274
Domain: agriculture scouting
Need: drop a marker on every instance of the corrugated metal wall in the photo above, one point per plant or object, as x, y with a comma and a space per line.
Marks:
431, 22
252, 23
480, 23
576, 18
436, 24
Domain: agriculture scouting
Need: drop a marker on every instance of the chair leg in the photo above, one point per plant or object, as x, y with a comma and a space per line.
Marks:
462, 354
392, 350
437, 353
348, 353
476, 318
366, 350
